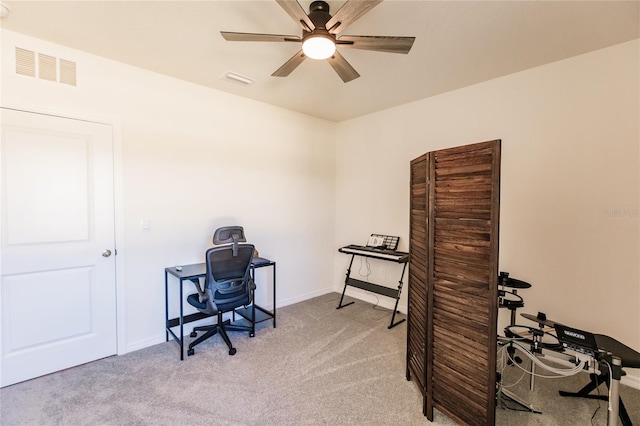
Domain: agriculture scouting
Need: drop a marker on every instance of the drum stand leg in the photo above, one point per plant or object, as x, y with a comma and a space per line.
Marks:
614, 392
513, 397
513, 358
536, 347
528, 407
532, 373
511, 350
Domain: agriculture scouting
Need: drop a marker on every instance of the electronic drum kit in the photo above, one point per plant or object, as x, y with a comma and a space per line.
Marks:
509, 298
547, 339
536, 338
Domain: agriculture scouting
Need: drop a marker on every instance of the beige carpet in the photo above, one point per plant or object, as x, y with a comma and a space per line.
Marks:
320, 366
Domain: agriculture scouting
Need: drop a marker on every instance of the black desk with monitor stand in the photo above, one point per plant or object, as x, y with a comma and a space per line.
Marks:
254, 313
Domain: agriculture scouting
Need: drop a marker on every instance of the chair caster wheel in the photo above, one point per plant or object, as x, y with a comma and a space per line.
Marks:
193, 334
232, 351
190, 352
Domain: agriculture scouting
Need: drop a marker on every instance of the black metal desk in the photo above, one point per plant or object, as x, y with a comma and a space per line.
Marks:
254, 314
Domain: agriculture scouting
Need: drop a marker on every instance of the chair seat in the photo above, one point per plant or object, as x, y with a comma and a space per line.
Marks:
194, 300
629, 357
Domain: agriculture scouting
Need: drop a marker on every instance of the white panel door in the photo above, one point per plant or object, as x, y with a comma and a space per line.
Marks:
57, 264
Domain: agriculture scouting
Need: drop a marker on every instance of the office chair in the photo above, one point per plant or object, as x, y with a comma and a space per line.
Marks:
629, 357
228, 285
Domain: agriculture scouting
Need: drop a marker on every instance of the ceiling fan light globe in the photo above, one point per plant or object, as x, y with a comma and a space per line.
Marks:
318, 47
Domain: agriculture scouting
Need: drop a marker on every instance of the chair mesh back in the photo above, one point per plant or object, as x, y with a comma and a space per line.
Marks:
228, 275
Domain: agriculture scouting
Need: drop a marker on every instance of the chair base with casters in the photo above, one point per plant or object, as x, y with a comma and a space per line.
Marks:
628, 357
221, 327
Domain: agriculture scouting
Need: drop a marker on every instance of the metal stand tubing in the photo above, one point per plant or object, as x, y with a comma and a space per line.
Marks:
615, 405
346, 280
395, 308
399, 322
519, 401
516, 398
535, 348
614, 391
532, 376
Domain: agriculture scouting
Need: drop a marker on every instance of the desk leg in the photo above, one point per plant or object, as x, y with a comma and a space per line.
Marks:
181, 323
166, 306
274, 295
253, 304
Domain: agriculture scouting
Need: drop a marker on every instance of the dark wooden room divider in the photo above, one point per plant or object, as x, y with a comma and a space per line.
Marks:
453, 280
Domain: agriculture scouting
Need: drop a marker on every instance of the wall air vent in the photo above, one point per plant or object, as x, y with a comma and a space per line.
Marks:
46, 67
25, 62
67, 72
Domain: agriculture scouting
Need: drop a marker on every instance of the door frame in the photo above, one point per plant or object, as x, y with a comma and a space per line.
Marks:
116, 126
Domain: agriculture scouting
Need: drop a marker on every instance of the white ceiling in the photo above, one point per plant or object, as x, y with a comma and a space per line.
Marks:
458, 43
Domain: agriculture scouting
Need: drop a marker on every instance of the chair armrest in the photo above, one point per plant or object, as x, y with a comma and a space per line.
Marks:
202, 295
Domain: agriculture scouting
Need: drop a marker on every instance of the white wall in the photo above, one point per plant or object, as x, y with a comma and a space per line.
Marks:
194, 159
570, 182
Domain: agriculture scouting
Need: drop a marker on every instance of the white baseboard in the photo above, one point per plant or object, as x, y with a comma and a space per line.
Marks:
145, 343
631, 381
306, 296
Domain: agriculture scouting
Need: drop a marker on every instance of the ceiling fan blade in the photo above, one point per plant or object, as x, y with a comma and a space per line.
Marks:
293, 8
229, 36
390, 44
342, 67
348, 13
290, 65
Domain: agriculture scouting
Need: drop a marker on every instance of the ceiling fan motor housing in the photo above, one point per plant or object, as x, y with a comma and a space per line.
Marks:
319, 15
319, 6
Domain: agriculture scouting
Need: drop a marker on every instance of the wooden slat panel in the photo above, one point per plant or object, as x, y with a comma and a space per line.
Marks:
463, 170
468, 265
420, 238
467, 183
420, 276
464, 288
460, 341
463, 201
461, 272
460, 310
454, 400
461, 153
474, 383
462, 326
417, 281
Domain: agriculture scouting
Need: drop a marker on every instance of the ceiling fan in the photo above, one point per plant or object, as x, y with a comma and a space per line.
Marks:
319, 36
